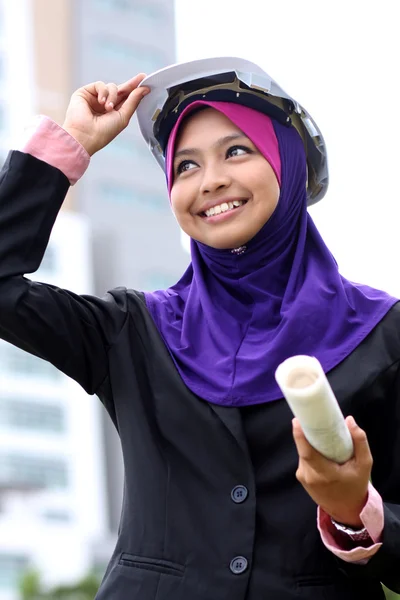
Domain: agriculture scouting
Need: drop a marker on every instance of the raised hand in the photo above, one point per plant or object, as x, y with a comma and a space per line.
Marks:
98, 112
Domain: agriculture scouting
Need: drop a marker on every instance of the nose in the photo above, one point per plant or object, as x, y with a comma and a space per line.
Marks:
215, 177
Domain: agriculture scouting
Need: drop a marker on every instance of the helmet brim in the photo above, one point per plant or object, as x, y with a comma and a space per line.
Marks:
233, 80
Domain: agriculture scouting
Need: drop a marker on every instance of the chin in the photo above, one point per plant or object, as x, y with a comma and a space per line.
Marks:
224, 240
227, 244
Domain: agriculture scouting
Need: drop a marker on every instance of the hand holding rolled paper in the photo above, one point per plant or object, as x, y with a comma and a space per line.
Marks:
335, 460
311, 399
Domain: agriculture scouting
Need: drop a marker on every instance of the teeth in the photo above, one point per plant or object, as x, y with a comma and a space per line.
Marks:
216, 210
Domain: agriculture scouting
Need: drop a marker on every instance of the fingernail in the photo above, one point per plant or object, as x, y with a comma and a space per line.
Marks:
104, 99
111, 104
351, 421
145, 92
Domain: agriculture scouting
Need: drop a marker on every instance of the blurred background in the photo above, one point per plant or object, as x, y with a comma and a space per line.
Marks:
60, 465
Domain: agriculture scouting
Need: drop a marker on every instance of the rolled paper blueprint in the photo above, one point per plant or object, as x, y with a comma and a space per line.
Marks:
311, 399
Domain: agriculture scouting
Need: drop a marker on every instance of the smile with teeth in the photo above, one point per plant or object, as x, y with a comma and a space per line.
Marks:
224, 207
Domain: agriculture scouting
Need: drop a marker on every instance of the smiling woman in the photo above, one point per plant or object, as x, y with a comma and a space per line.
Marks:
219, 174
224, 497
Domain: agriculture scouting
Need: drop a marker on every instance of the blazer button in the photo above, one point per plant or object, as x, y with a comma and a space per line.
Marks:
239, 493
238, 565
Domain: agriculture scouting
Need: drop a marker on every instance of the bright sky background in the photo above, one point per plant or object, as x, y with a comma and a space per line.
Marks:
341, 60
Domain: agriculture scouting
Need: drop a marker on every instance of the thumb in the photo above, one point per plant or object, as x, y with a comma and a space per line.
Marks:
131, 103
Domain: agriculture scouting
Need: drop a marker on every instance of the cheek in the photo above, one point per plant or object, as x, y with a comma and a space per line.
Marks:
266, 184
275, 191
175, 199
260, 180
179, 203
182, 197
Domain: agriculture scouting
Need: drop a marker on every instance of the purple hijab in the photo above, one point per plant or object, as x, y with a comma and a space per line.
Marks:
232, 319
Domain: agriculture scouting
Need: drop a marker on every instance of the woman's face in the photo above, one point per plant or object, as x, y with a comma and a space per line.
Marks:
224, 190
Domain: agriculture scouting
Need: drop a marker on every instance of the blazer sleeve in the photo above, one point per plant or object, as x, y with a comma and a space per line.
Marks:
72, 332
379, 415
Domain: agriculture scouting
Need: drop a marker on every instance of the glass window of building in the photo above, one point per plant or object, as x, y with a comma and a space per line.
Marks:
115, 193
16, 362
121, 5
12, 567
49, 261
129, 149
125, 147
33, 471
157, 280
146, 9
122, 194
112, 49
35, 416
148, 13
56, 515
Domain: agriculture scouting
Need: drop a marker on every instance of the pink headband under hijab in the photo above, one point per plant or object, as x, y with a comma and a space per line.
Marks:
254, 124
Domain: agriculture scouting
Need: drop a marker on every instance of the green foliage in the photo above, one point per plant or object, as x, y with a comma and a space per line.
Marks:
31, 588
390, 595
30, 585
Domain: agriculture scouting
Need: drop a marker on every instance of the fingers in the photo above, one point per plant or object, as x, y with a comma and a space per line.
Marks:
313, 469
100, 90
304, 448
128, 107
111, 91
300, 439
309, 457
107, 94
362, 452
124, 89
112, 96
109, 113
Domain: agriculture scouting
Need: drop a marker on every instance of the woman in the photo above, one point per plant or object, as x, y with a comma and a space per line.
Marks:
212, 505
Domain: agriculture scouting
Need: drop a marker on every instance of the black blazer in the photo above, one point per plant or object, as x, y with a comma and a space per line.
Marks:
212, 509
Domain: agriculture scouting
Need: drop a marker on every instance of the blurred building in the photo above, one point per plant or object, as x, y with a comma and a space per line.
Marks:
52, 483
136, 238
61, 471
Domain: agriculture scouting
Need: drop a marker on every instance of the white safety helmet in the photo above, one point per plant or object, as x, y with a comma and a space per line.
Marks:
228, 79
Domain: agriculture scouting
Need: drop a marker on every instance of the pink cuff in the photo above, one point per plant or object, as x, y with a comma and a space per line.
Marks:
49, 142
372, 519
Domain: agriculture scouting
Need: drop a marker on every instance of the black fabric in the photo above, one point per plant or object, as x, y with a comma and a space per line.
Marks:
180, 527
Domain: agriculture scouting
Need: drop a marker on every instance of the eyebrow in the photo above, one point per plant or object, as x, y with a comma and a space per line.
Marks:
218, 144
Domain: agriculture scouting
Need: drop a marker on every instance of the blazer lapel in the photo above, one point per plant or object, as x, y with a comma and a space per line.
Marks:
232, 420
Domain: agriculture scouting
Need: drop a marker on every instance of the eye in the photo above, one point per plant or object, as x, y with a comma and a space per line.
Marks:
185, 165
238, 151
